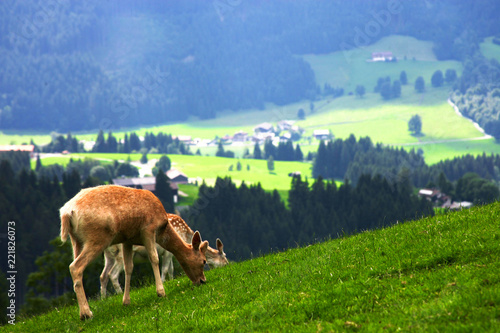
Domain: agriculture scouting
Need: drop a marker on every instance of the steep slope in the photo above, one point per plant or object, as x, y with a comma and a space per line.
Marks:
435, 274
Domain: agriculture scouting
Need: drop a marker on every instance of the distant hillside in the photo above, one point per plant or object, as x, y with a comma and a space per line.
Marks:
348, 69
435, 274
79, 66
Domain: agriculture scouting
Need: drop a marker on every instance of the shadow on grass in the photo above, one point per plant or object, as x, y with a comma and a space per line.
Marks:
418, 135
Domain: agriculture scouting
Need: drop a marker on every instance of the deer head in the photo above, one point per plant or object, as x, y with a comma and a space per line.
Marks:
217, 258
191, 256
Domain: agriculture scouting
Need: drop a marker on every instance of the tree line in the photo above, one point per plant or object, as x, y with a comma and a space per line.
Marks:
251, 221
477, 92
350, 159
159, 143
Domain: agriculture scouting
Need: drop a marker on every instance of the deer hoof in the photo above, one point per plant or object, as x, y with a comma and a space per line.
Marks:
86, 315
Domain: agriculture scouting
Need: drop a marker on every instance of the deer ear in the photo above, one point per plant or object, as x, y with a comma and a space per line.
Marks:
204, 247
196, 241
220, 246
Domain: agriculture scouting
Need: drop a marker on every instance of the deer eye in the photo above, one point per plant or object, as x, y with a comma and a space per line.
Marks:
204, 262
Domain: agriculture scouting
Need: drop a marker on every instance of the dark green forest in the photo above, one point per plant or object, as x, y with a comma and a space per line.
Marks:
477, 93
109, 64
352, 159
252, 221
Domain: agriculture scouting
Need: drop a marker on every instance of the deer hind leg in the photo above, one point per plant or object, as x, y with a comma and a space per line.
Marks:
167, 267
88, 253
150, 245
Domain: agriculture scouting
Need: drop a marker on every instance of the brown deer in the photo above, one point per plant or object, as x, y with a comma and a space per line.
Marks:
98, 217
113, 257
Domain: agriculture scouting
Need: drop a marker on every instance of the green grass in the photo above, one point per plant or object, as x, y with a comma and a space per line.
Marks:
384, 122
490, 50
388, 122
8, 137
350, 68
437, 274
433, 153
208, 168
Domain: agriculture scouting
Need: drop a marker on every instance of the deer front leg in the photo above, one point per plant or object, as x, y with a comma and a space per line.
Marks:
129, 267
150, 245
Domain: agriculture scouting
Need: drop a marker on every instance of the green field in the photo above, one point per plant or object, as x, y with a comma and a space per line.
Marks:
388, 123
437, 274
347, 69
490, 50
446, 135
208, 168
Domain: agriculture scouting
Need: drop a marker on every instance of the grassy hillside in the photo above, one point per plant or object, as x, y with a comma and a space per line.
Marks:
435, 274
350, 68
447, 135
490, 50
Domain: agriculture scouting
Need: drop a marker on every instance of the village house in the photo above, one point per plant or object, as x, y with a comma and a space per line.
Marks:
264, 128
382, 56
27, 148
145, 183
440, 199
186, 139
285, 125
240, 136
261, 137
176, 176
322, 134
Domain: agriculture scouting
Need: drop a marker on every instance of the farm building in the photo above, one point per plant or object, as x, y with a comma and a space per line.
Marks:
240, 136
321, 134
440, 199
285, 125
186, 139
27, 148
145, 183
177, 176
264, 128
382, 56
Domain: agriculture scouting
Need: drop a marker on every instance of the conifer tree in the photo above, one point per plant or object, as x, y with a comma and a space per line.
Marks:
420, 84
164, 192
403, 78
270, 163
111, 143
100, 143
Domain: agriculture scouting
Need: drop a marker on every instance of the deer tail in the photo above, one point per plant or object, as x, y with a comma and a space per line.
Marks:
65, 225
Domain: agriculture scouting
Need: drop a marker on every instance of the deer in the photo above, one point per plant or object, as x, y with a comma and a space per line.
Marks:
98, 217
113, 257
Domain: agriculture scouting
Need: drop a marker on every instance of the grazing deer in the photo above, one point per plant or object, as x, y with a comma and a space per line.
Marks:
113, 257
98, 217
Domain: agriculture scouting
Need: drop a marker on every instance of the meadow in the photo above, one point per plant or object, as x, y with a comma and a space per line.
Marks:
349, 68
435, 274
490, 50
445, 134
208, 168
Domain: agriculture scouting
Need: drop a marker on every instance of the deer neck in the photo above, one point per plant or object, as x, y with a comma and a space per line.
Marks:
174, 242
